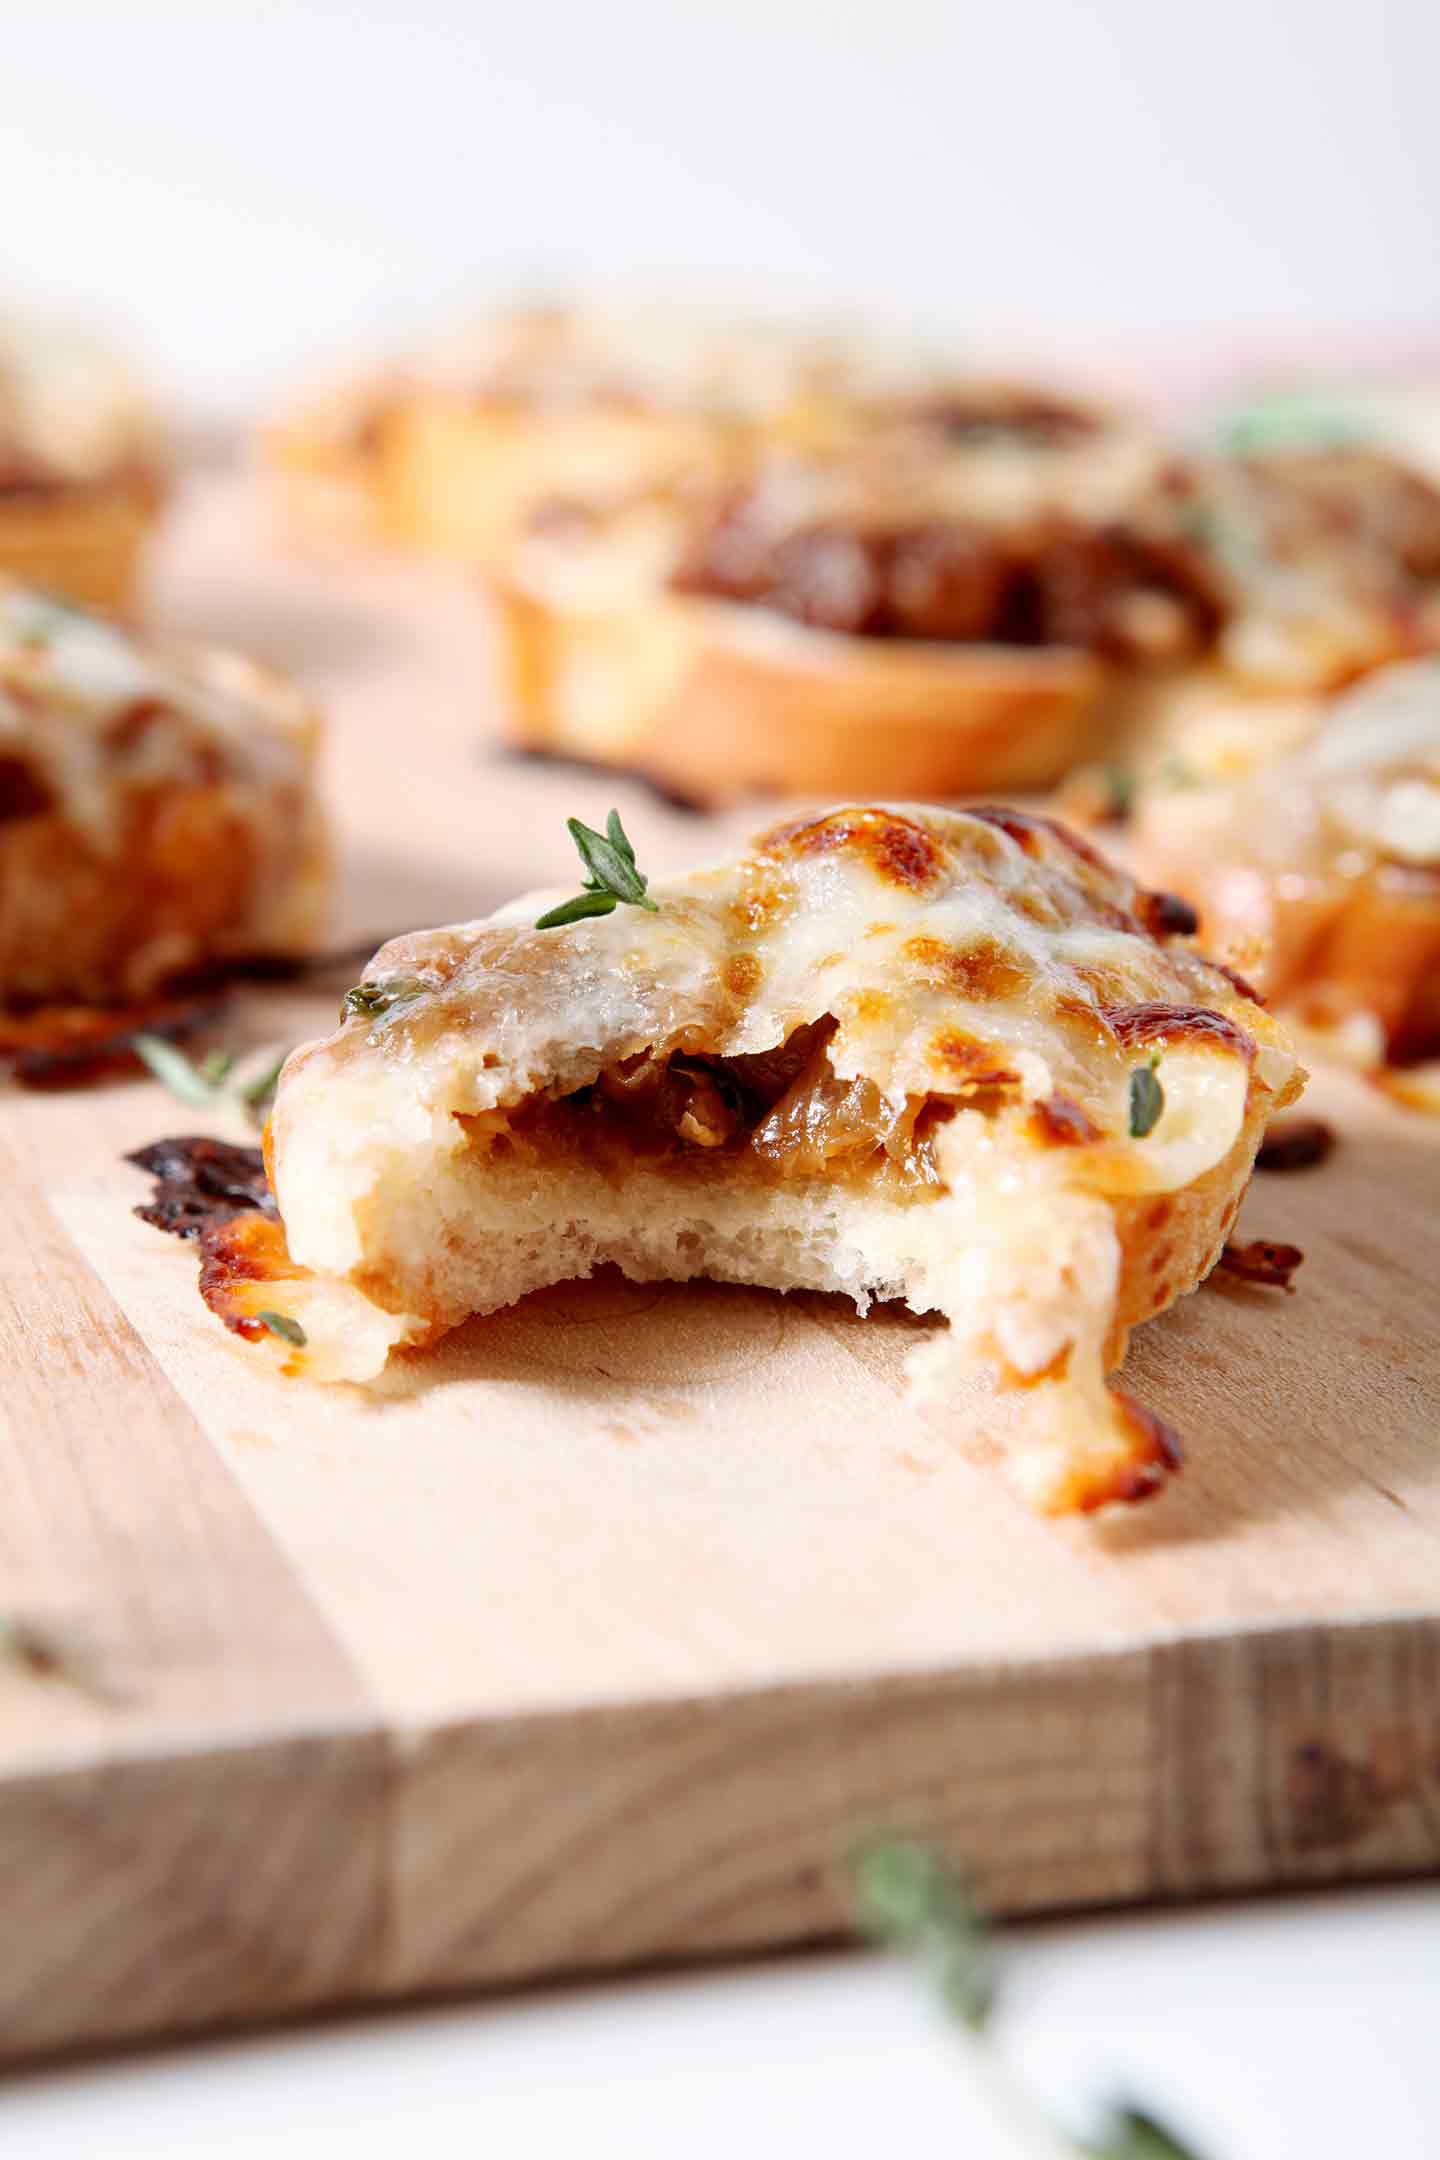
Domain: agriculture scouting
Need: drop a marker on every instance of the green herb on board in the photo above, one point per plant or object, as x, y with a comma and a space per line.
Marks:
209, 1084
908, 1895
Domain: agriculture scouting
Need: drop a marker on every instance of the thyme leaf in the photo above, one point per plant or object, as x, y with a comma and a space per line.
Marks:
1147, 1100
613, 881
281, 1324
619, 839
908, 1895
209, 1085
584, 904
1293, 420
368, 1000
185, 1079
1119, 791
1134, 2134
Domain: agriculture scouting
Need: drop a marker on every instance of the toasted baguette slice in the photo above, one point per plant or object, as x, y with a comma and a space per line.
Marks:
425, 467
157, 809
453, 449
1316, 867
450, 450
716, 701
319, 462
82, 466
883, 1053
929, 595
85, 543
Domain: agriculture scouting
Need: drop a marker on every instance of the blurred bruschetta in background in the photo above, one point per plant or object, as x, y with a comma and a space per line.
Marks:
83, 467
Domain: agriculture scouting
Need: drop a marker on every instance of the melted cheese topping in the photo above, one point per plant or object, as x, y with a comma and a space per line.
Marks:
1330, 557
811, 385
901, 923
157, 807
902, 470
1360, 788
842, 460
70, 683
948, 947
670, 358
1317, 866
70, 406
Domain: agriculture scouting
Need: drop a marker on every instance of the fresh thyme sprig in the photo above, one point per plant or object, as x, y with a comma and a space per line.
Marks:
209, 1085
281, 1324
613, 879
1119, 791
1147, 1099
368, 1000
1292, 420
1133, 2134
909, 1896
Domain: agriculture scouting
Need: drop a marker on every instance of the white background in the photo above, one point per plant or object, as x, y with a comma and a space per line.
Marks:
248, 182
244, 188
1268, 2031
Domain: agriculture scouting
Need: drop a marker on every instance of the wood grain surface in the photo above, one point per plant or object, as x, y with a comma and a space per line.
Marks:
601, 1633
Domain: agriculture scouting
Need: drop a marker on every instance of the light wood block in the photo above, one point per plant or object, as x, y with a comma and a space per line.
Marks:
600, 1634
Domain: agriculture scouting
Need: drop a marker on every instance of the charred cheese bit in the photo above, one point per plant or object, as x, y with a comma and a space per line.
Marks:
248, 1279
1319, 868
940, 1114
157, 808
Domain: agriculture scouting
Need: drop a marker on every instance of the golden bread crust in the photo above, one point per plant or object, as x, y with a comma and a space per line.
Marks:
87, 543
717, 702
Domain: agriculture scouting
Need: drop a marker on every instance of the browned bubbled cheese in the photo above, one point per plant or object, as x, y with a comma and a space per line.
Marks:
157, 809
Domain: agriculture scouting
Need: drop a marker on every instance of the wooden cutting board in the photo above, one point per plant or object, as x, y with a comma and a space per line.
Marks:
599, 1634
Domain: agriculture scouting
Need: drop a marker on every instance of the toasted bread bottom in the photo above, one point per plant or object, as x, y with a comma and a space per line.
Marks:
84, 544
490, 1226
717, 701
